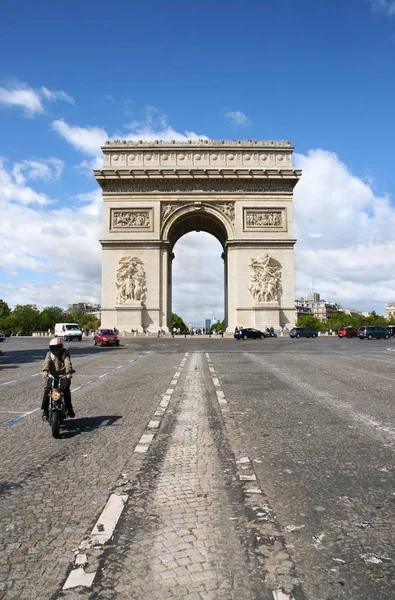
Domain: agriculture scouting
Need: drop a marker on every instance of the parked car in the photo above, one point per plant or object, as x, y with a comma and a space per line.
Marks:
105, 337
347, 332
249, 333
372, 331
2, 336
391, 329
297, 332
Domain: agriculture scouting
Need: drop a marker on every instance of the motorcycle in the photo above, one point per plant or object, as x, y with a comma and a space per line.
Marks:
57, 408
269, 333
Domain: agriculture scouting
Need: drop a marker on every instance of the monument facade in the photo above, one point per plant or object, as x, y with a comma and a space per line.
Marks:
156, 192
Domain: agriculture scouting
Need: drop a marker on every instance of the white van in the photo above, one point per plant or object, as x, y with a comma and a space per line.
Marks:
68, 331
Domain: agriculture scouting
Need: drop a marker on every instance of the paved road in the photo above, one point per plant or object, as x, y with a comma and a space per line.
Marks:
202, 468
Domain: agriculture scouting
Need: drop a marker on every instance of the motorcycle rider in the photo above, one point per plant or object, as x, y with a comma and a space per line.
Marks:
57, 363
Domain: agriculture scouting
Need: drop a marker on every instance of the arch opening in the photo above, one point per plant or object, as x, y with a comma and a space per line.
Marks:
197, 221
197, 280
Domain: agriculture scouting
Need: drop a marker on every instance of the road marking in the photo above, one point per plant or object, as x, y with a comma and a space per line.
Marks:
8, 382
101, 533
279, 595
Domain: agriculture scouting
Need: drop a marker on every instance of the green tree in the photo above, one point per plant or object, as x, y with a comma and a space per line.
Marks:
218, 326
84, 319
26, 318
310, 321
5, 310
178, 323
49, 316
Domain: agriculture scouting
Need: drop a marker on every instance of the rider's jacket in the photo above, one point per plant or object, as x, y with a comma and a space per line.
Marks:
58, 365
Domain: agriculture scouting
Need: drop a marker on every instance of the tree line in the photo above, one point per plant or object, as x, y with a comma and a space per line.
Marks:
27, 318
340, 320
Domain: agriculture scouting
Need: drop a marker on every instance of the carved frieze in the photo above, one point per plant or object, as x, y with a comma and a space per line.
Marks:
259, 219
187, 185
265, 279
131, 219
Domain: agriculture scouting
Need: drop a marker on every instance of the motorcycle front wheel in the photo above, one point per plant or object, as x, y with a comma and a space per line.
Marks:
55, 424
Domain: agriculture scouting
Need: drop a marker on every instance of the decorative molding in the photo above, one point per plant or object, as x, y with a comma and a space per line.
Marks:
188, 186
131, 219
261, 219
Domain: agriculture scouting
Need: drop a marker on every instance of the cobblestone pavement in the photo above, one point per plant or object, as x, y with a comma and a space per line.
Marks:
182, 535
202, 469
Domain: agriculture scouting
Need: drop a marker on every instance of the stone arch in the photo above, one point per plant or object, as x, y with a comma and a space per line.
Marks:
155, 192
197, 217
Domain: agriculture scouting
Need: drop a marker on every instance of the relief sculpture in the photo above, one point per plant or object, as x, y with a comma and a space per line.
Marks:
130, 280
122, 219
228, 208
264, 219
265, 280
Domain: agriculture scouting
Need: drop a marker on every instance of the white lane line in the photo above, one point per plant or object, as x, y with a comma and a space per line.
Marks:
101, 533
279, 595
104, 375
216, 382
35, 375
8, 382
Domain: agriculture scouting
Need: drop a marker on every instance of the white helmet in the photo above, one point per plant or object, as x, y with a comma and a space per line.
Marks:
56, 345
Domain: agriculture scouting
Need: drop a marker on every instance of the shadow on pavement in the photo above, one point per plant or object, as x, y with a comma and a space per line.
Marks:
77, 426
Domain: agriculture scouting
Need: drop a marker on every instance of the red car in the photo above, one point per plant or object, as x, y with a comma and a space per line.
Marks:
348, 332
106, 337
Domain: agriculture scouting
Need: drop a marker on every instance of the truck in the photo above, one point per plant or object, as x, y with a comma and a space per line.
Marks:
68, 331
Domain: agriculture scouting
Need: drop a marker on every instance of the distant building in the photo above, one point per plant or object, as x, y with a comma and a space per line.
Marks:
353, 312
89, 307
207, 324
390, 311
313, 305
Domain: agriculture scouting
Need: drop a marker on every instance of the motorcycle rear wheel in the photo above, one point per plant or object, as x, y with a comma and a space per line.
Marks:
55, 424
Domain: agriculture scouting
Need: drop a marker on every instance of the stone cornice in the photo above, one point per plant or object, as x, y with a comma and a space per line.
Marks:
201, 143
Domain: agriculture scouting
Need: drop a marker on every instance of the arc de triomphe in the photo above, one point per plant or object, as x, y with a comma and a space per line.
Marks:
155, 192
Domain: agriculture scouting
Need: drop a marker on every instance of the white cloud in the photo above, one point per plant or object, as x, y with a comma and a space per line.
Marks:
386, 7
345, 232
59, 245
11, 190
49, 169
155, 127
22, 96
237, 118
55, 95
87, 140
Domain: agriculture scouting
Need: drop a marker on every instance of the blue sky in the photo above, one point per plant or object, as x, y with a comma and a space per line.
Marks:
320, 74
